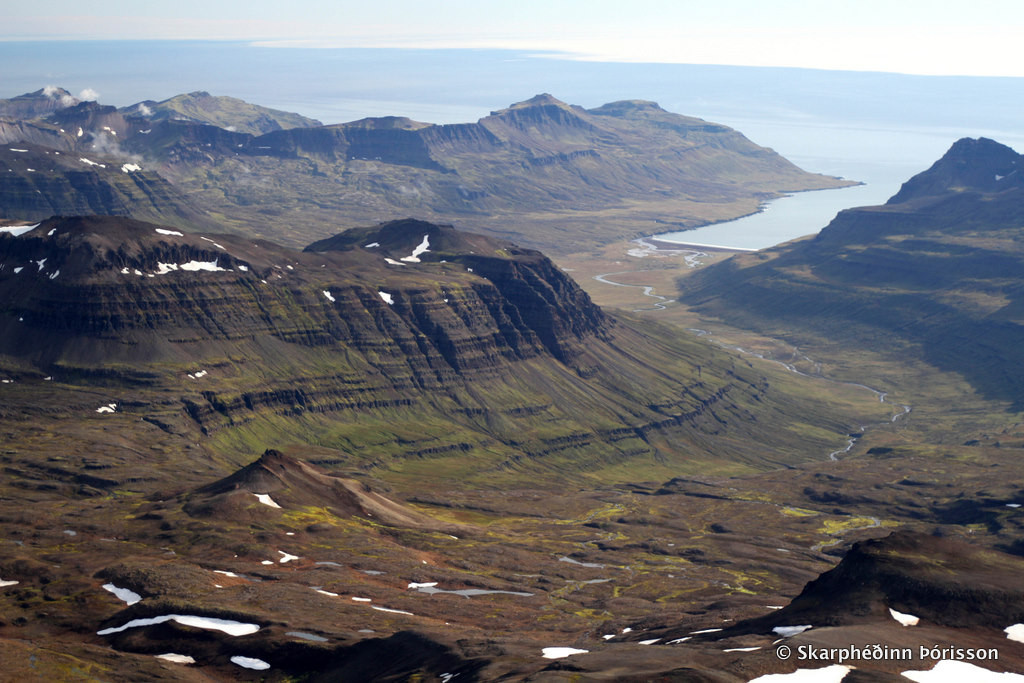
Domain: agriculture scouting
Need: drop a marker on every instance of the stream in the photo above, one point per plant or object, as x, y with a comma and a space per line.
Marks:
882, 395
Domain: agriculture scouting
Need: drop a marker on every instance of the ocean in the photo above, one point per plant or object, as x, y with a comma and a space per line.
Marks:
876, 128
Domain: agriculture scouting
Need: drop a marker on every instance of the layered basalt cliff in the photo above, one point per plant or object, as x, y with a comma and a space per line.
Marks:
462, 341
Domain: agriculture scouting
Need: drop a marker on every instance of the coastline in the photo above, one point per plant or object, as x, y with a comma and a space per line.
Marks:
659, 244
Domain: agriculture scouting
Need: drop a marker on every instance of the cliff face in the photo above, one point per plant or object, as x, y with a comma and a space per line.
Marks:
450, 344
125, 281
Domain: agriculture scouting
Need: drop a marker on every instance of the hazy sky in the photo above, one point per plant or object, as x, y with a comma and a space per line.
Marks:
964, 37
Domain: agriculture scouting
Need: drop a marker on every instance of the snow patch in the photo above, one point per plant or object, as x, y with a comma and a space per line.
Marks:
371, 245
905, 619
429, 584
176, 658
787, 631
89, 162
15, 230
211, 266
109, 408
356, 599
129, 597
560, 652
388, 299
742, 649
828, 674
228, 626
392, 611
420, 248
949, 671
652, 641
4, 584
328, 295
1015, 632
706, 630
211, 242
393, 262
268, 501
250, 663
130, 168
285, 557
175, 233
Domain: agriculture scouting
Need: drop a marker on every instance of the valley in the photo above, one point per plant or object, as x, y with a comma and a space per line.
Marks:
241, 447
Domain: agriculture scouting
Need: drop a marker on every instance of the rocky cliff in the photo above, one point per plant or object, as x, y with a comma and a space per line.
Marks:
449, 344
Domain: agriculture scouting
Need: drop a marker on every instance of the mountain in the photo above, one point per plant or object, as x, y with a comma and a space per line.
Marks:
934, 273
41, 182
36, 104
480, 354
542, 172
460, 457
224, 112
907, 592
277, 480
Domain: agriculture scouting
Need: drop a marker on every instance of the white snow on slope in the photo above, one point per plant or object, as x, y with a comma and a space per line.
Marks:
129, 597
905, 619
250, 663
828, 674
422, 247
268, 501
949, 671
559, 652
228, 626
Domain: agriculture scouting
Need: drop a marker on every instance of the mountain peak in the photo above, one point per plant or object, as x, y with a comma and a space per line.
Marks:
626, 106
539, 100
971, 164
39, 103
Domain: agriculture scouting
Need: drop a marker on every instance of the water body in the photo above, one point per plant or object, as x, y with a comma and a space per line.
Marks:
781, 220
876, 128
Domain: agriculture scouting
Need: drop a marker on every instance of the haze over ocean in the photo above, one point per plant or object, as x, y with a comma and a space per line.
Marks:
879, 128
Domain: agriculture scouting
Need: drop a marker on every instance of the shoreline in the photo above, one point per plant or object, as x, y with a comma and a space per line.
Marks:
669, 245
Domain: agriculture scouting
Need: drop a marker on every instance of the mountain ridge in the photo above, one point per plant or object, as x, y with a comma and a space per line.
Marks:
934, 271
548, 174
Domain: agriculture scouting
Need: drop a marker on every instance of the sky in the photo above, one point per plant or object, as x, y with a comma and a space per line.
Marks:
929, 37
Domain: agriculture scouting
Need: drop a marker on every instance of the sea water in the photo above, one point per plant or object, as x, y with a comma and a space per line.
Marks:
875, 128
